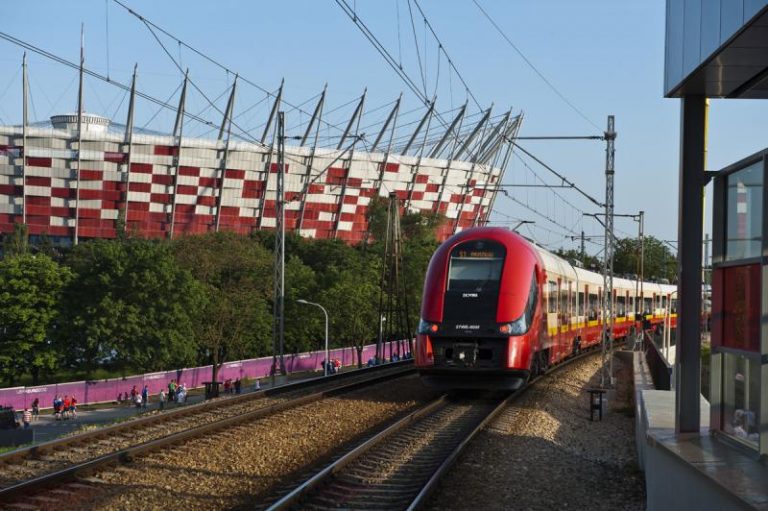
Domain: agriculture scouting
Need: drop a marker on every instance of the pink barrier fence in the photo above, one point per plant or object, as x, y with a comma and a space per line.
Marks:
99, 391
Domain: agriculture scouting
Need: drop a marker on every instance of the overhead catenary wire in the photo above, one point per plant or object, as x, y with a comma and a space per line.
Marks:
214, 61
534, 68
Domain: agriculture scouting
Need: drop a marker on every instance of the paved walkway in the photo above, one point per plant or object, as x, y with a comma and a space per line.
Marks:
48, 428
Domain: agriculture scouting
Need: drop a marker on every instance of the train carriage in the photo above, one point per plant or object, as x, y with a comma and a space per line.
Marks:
497, 309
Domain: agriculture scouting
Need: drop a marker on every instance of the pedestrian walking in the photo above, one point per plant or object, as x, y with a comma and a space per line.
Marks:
73, 407
238, 386
26, 418
161, 399
145, 396
35, 409
172, 390
65, 408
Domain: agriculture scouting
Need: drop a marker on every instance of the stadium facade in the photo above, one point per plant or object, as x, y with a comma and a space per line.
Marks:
72, 184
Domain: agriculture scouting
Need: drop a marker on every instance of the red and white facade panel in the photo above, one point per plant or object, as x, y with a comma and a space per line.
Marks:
190, 184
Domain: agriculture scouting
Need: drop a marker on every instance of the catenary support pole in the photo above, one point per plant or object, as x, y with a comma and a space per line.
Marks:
278, 304
606, 374
690, 227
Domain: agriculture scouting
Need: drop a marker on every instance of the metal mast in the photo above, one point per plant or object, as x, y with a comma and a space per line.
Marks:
129, 140
226, 128
25, 122
178, 133
79, 130
610, 137
278, 306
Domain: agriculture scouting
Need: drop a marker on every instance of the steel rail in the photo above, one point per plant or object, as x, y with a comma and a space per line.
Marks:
303, 490
23, 488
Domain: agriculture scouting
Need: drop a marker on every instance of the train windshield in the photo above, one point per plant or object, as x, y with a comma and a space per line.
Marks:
476, 266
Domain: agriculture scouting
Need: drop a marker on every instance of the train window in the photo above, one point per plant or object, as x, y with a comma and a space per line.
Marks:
593, 307
580, 310
530, 307
664, 302
647, 305
476, 266
631, 303
563, 300
621, 306
674, 305
551, 296
572, 294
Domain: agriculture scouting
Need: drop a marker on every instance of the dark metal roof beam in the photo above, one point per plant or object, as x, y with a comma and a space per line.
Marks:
392, 115
439, 147
272, 113
355, 117
421, 125
315, 116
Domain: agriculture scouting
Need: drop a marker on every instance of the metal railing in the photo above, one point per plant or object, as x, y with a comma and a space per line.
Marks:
661, 371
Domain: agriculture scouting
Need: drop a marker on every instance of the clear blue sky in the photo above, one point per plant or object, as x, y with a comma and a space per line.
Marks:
605, 56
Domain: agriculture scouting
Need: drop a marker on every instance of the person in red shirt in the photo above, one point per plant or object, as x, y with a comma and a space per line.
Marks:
73, 407
67, 404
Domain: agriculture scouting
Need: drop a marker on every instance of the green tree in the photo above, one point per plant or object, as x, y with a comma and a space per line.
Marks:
659, 261
17, 242
352, 299
589, 262
235, 272
30, 287
130, 304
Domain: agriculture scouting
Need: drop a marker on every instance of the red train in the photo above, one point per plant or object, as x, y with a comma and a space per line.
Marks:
497, 309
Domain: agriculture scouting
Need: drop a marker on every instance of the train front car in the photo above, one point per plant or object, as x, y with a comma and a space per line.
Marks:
480, 313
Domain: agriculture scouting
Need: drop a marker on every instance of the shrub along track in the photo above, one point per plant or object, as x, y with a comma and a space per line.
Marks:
23, 470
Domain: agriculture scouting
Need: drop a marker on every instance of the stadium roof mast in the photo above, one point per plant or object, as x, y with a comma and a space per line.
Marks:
451, 152
226, 127
354, 120
317, 115
391, 119
25, 122
178, 132
129, 141
275, 108
79, 131
415, 169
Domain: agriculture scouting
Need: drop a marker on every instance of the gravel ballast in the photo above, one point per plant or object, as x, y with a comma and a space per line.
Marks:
237, 468
543, 453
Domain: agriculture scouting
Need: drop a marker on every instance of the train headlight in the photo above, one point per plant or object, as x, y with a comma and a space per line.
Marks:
426, 327
517, 327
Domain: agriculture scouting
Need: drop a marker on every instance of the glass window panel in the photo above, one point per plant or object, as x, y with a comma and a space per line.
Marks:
731, 18
710, 28
593, 307
476, 266
581, 303
741, 307
744, 211
741, 397
552, 296
692, 35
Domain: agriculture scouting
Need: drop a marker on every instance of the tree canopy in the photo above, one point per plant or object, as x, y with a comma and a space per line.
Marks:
137, 305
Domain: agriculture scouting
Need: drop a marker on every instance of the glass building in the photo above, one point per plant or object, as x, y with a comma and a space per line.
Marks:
719, 49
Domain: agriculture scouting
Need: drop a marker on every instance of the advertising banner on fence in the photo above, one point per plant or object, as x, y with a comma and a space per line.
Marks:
99, 391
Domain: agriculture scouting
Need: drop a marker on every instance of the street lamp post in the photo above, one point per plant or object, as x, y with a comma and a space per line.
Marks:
325, 365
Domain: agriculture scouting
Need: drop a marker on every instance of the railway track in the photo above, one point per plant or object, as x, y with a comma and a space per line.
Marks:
34, 468
399, 467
